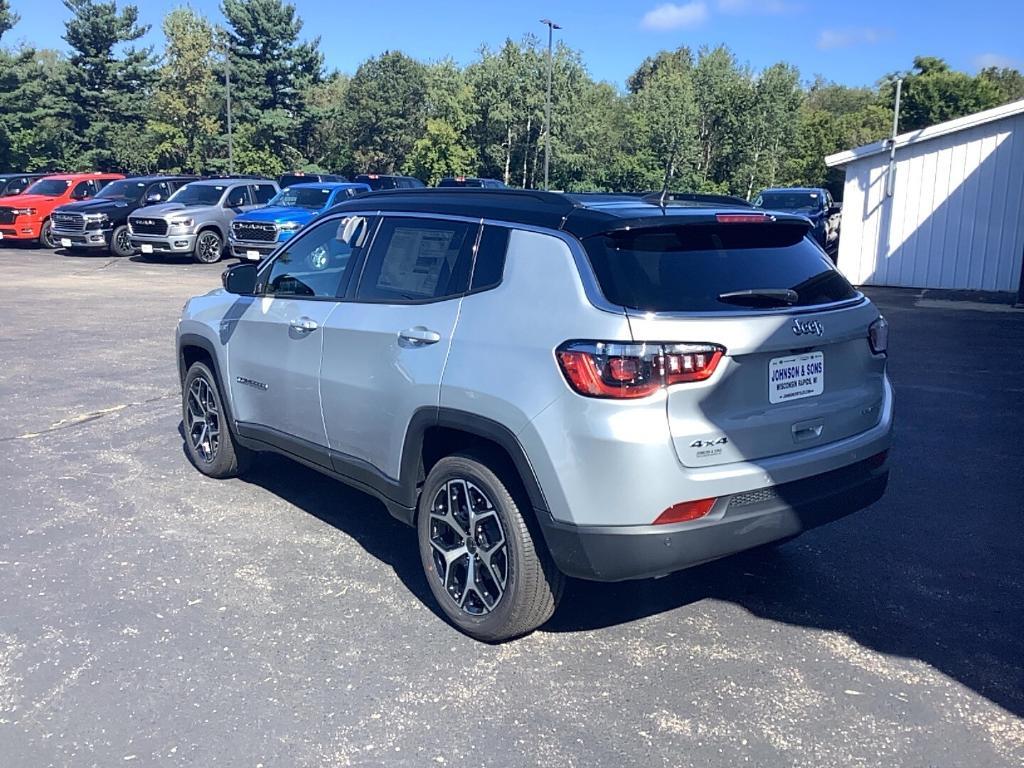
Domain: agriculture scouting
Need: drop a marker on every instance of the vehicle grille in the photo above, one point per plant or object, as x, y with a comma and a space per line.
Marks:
148, 226
7, 216
254, 231
69, 222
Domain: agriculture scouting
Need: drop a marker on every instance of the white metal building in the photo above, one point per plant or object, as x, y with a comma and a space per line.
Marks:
955, 218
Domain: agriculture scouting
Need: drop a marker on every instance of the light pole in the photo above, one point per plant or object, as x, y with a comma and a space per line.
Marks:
890, 180
547, 109
227, 90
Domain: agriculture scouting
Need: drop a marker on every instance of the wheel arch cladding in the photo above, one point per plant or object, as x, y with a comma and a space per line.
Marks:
192, 349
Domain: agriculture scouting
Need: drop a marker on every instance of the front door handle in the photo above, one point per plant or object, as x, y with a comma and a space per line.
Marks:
419, 336
304, 325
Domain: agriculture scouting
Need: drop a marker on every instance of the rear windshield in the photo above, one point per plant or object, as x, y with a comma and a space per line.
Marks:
378, 182
302, 197
687, 269
297, 178
461, 183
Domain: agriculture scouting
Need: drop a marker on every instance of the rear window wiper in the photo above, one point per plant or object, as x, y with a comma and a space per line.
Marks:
773, 296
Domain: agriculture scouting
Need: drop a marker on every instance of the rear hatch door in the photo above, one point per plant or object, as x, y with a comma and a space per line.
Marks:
797, 369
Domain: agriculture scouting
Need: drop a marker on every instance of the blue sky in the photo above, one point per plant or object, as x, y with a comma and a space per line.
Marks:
850, 42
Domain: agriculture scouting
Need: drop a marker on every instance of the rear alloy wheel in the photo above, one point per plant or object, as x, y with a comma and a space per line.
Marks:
46, 235
121, 241
208, 247
485, 570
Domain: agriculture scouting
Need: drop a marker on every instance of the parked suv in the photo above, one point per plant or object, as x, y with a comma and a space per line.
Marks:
196, 218
27, 216
546, 388
471, 181
16, 183
813, 202
102, 221
257, 233
301, 177
377, 181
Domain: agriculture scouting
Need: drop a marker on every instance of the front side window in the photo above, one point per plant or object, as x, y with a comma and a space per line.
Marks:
263, 193
316, 264
124, 189
418, 260
83, 189
237, 198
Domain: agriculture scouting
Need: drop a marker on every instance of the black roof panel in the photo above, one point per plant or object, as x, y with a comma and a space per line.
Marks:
579, 214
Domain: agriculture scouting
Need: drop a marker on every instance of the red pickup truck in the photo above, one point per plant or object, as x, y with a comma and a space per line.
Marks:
27, 216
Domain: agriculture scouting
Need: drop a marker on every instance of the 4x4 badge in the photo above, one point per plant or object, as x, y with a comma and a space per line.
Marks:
804, 327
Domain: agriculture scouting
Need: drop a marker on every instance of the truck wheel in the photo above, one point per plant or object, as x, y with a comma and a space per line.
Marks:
208, 439
46, 235
208, 247
121, 241
491, 578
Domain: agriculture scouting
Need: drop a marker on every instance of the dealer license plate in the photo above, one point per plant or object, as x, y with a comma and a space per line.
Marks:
147, 248
65, 242
796, 377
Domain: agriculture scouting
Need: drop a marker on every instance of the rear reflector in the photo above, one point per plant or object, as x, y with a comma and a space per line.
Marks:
685, 510
742, 218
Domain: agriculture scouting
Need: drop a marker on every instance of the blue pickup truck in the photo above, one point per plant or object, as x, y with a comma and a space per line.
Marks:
255, 234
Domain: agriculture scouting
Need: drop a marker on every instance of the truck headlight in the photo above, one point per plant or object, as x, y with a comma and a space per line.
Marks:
23, 211
182, 222
289, 226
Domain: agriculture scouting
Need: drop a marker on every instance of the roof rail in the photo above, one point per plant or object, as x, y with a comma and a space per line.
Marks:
696, 198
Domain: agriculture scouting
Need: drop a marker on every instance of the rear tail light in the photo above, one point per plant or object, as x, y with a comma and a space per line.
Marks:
628, 371
878, 336
686, 510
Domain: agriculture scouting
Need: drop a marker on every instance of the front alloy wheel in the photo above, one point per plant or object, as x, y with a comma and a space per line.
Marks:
121, 242
46, 236
209, 441
208, 247
202, 418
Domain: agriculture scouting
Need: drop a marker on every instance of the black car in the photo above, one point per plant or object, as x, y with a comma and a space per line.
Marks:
815, 203
378, 181
16, 183
301, 177
102, 221
471, 181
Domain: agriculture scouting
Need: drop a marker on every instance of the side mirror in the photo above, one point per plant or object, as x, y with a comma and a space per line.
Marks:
156, 197
240, 279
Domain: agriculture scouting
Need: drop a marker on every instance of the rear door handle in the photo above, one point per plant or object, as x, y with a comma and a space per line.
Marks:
419, 336
304, 325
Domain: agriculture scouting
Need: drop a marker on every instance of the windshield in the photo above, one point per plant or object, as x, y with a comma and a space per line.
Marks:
789, 201
304, 197
689, 268
122, 190
48, 187
198, 194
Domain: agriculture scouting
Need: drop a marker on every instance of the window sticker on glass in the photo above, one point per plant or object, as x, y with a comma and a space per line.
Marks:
415, 260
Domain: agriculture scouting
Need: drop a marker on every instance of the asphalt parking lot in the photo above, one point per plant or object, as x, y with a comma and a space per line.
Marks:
150, 616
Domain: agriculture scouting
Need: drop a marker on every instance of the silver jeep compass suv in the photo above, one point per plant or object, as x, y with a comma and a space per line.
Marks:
550, 385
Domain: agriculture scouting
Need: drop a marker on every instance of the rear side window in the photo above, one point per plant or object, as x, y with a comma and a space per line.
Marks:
415, 260
689, 268
490, 258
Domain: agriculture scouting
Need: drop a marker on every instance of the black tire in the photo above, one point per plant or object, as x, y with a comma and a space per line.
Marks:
46, 236
209, 247
121, 242
219, 458
533, 584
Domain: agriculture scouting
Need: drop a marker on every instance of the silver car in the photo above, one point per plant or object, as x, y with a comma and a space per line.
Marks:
196, 219
547, 385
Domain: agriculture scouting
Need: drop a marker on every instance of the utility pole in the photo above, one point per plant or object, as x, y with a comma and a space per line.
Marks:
547, 110
890, 181
227, 90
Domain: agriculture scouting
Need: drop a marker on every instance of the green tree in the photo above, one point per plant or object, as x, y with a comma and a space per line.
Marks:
184, 128
108, 89
770, 128
1008, 82
440, 152
386, 108
724, 94
326, 142
8, 18
272, 76
934, 93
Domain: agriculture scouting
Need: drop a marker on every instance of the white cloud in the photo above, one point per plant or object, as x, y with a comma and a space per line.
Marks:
984, 60
830, 39
759, 7
671, 16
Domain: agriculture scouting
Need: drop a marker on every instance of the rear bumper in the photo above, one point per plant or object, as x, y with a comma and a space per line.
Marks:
735, 524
